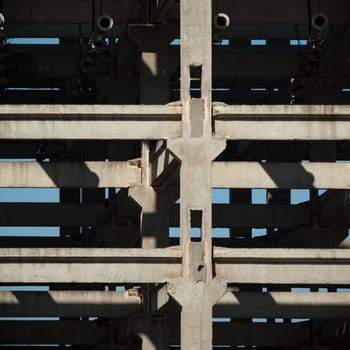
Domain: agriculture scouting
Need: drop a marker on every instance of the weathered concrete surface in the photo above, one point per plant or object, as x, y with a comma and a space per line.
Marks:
69, 174
283, 305
89, 265
196, 291
283, 266
69, 304
194, 274
89, 122
281, 175
287, 122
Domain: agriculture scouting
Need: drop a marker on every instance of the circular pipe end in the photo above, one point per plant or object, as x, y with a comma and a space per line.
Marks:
105, 23
221, 21
319, 21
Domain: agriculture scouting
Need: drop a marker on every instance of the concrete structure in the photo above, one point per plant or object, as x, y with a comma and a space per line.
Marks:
126, 107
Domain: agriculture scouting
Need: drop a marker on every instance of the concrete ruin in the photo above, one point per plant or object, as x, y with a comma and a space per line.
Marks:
135, 110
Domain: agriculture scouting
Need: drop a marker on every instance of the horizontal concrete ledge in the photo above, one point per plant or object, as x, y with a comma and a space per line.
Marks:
224, 174
282, 254
84, 214
40, 242
283, 266
221, 110
224, 215
53, 332
256, 242
281, 175
69, 174
92, 254
69, 304
52, 214
235, 333
278, 14
89, 265
261, 334
282, 122
95, 122
248, 215
283, 305
70, 111
85, 332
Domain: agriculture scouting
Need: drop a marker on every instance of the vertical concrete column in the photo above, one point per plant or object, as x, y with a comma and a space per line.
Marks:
197, 291
154, 205
196, 149
197, 299
154, 220
154, 43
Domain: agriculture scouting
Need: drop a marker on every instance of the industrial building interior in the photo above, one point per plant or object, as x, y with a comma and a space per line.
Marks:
174, 174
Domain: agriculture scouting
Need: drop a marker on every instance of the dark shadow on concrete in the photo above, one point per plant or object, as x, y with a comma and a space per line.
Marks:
70, 174
291, 175
263, 305
41, 304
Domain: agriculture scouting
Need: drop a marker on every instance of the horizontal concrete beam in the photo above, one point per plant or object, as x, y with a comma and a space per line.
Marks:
283, 266
256, 242
266, 62
269, 66
40, 242
69, 304
282, 122
252, 11
37, 12
257, 334
85, 332
283, 305
248, 305
52, 214
247, 215
69, 174
53, 332
261, 334
109, 122
239, 31
269, 63
236, 333
281, 175
224, 215
89, 265
241, 14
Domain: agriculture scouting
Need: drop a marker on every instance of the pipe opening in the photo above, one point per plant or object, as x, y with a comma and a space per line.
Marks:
319, 21
105, 23
221, 21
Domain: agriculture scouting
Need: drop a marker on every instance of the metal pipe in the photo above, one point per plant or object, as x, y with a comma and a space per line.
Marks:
221, 21
105, 23
319, 28
95, 46
319, 22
